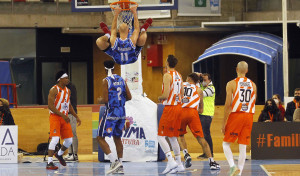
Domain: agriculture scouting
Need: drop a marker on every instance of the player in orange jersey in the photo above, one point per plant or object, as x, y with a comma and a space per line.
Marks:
169, 124
238, 116
192, 103
59, 106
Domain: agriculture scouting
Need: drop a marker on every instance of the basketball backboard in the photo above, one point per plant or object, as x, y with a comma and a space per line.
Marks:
103, 5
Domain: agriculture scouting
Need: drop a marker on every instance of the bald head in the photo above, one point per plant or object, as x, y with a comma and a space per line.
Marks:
123, 28
242, 67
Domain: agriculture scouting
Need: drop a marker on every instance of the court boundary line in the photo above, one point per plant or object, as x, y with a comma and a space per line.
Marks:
266, 171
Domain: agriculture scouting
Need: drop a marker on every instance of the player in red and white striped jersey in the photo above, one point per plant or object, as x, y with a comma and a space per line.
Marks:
238, 115
192, 103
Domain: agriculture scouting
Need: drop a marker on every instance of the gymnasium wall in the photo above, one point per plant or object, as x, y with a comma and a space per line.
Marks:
185, 46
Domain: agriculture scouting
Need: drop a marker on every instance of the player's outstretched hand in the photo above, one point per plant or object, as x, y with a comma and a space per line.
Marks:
133, 9
118, 10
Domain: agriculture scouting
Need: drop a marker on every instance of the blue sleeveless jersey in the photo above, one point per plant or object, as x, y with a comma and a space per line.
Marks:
116, 96
124, 52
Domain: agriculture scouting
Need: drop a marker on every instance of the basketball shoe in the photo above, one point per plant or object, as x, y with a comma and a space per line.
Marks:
104, 28
180, 168
114, 166
233, 170
188, 160
51, 166
170, 165
60, 159
147, 23
120, 170
214, 166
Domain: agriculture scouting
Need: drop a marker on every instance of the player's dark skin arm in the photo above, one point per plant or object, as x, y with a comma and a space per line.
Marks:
128, 94
104, 98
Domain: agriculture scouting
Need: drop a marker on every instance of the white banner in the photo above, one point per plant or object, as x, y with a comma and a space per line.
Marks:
9, 144
132, 73
140, 140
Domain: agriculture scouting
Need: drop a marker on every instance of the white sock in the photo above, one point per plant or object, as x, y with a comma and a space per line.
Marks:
175, 145
142, 30
121, 160
211, 159
50, 159
178, 159
107, 35
163, 144
169, 156
228, 153
60, 152
111, 157
185, 151
242, 157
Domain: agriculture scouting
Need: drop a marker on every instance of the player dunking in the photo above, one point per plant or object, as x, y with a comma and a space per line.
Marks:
169, 124
122, 49
238, 116
115, 94
192, 104
59, 106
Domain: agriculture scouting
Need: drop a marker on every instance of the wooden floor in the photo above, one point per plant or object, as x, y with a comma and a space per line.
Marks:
89, 165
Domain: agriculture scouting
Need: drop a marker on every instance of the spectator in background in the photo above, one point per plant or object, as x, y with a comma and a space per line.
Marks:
206, 116
73, 149
277, 99
291, 106
5, 115
270, 113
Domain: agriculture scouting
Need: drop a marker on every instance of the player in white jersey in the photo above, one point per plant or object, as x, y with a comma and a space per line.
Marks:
238, 116
192, 103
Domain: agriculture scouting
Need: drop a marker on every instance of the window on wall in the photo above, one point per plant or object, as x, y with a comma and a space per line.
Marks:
199, 8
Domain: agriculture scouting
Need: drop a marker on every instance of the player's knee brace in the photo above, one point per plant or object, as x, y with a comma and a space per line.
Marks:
68, 142
53, 142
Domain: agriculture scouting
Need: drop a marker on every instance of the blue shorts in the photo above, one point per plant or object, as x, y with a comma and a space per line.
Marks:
130, 60
111, 126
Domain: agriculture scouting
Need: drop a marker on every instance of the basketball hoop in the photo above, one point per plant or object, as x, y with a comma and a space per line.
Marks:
125, 16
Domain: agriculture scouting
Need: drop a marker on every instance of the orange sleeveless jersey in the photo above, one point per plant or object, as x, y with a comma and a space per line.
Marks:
191, 97
62, 100
174, 96
244, 96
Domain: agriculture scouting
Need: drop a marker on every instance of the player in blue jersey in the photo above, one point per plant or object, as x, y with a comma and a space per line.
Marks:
115, 94
122, 49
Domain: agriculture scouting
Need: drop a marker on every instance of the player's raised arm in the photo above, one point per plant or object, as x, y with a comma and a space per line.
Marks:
113, 36
166, 91
136, 31
200, 92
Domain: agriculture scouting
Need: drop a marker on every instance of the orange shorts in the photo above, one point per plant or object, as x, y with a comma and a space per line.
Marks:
59, 127
169, 124
239, 125
190, 117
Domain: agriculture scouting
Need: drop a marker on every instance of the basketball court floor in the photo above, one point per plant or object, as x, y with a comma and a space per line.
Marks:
88, 166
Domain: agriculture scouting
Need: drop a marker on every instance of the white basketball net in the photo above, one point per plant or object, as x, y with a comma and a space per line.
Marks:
125, 17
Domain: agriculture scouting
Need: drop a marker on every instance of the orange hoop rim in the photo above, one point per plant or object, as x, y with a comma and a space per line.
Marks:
112, 5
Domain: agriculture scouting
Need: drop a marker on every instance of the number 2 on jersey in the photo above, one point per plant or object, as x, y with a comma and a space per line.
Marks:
119, 89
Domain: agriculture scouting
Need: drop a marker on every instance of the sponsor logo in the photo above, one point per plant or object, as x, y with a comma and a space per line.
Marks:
6, 149
108, 130
244, 107
270, 140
